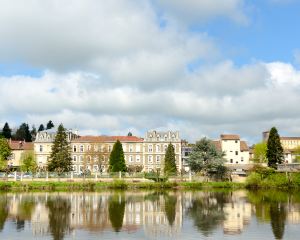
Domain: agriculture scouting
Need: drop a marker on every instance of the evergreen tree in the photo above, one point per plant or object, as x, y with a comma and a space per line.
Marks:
41, 128
60, 158
50, 125
23, 133
116, 158
170, 161
6, 131
274, 149
33, 133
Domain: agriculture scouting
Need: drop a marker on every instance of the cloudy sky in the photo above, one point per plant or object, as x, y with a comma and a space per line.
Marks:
203, 67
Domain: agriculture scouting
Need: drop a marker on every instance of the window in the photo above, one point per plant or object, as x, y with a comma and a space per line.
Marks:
236, 162
41, 148
89, 147
130, 158
74, 158
157, 148
88, 159
236, 141
109, 148
74, 148
95, 168
242, 159
166, 138
231, 160
81, 148
74, 168
236, 153
165, 147
81, 158
130, 148
137, 158
158, 159
150, 160
150, 148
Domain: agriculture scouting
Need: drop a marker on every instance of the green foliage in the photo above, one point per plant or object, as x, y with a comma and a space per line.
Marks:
116, 158
297, 154
116, 211
5, 152
60, 158
205, 157
275, 151
6, 131
170, 161
23, 133
260, 152
28, 162
50, 125
170, 208
41, 128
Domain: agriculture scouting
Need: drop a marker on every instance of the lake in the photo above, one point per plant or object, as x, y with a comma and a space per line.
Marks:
150, 215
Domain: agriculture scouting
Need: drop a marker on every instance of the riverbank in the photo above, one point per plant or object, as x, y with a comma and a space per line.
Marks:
253, 181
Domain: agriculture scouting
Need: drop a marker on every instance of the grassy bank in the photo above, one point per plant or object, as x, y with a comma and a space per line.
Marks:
258, 180
118, 184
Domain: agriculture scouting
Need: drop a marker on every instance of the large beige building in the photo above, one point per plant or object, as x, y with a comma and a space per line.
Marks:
236, 151
92, 152
155, 145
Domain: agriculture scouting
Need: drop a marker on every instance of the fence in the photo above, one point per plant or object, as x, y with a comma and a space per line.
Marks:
53, 176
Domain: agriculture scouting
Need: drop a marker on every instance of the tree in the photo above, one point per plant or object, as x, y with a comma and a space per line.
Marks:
6, 131
60, 157
23, 133
33, 132
28, 162
41, 128
260, 152
116, 158
5, 153
275, 151
59, 217
297, 154
116, 210
206, 157
170, 161
50, 125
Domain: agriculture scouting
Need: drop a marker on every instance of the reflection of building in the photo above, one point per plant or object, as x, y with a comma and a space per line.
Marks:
238, 213
236, 151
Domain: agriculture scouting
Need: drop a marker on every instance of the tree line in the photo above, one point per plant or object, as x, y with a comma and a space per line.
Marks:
23, 132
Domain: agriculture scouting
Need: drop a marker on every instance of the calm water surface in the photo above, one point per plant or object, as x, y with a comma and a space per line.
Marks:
150, 215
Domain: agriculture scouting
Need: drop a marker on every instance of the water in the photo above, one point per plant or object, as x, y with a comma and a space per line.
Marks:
150, 215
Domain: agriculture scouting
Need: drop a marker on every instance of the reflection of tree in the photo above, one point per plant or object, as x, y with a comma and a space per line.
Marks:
278, 216
170, 208
3, 211
207, 211
116, 210
59, 217
26, 208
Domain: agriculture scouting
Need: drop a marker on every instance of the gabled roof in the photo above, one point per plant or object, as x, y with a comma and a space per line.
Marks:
230, 137
20, 145
244, 146
100, 139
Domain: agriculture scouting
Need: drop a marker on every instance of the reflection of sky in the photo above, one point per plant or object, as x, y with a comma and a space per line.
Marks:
254, 230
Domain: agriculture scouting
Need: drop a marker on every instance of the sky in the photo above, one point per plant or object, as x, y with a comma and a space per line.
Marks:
203, 68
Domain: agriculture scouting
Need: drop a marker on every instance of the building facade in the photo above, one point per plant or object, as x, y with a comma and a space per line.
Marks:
236, 151
91, 153
18, 148
155, 145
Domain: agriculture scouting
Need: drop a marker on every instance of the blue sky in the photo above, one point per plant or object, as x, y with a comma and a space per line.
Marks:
201, 67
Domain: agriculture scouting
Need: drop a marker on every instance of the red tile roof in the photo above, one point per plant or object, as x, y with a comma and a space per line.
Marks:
20, 145
230, 137
289, 138
218, 145
244, 146
108, 139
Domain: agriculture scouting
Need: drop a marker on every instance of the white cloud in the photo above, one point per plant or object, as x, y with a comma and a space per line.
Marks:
195, 11
112, 68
